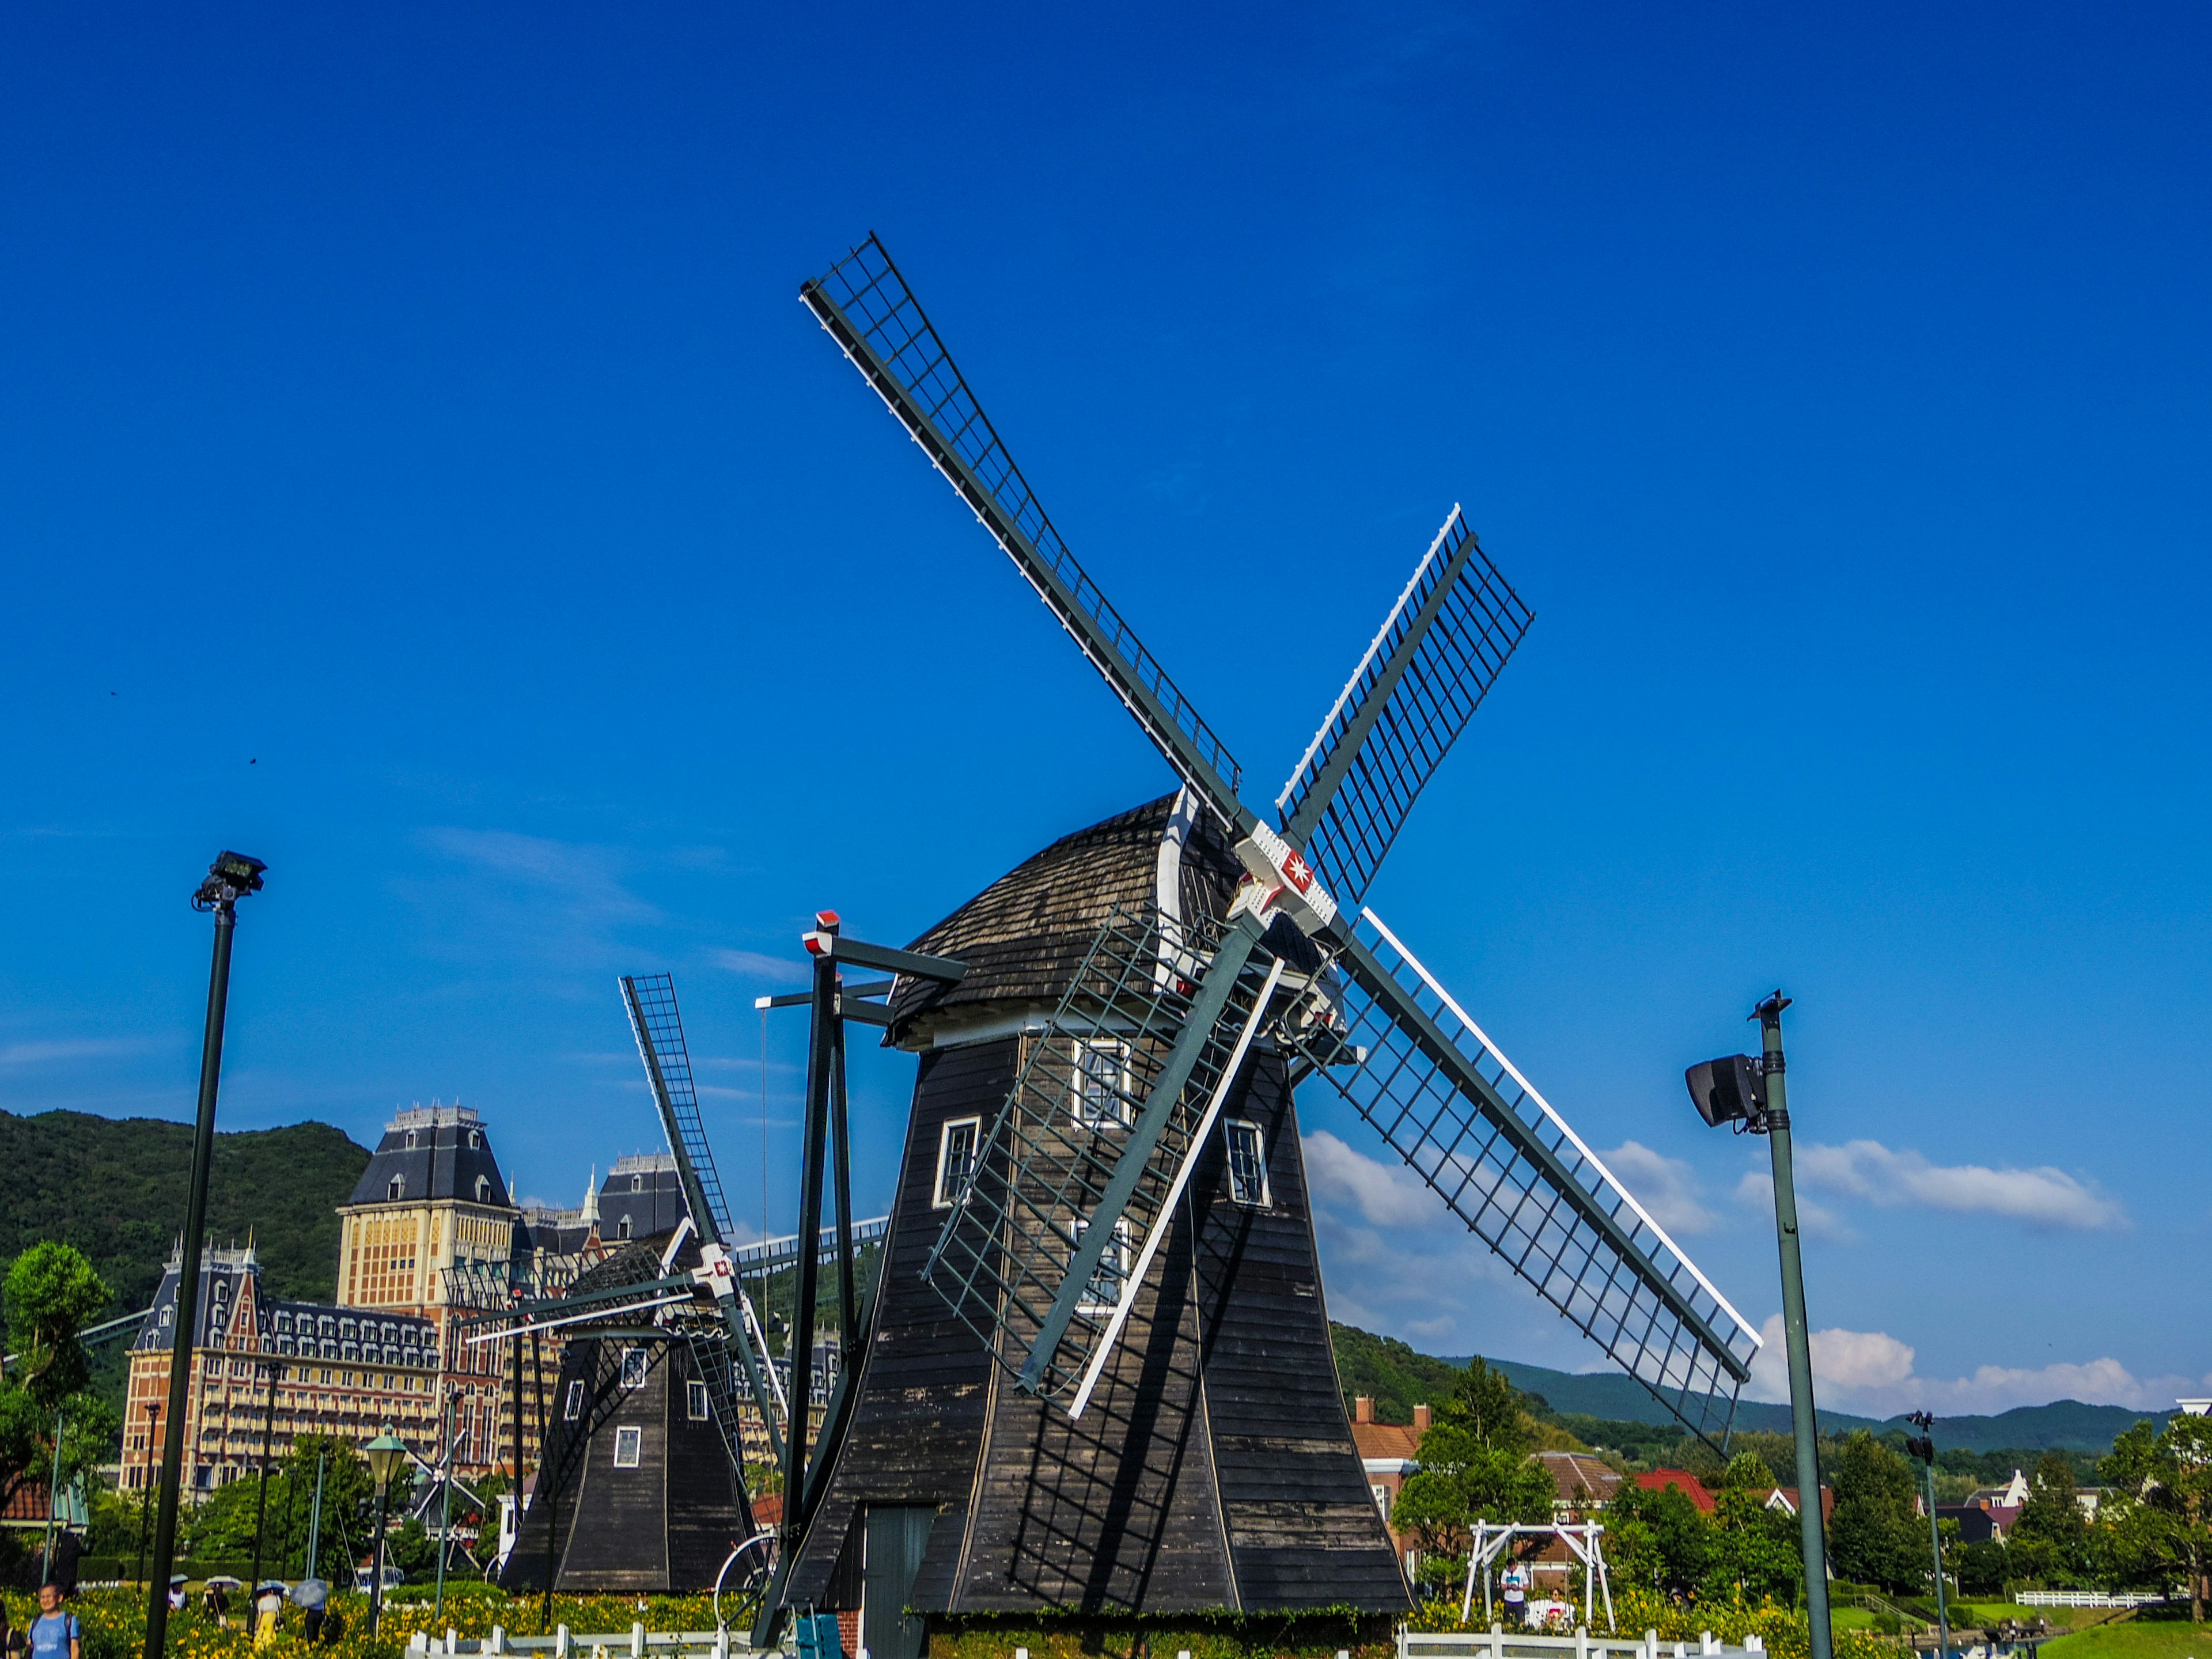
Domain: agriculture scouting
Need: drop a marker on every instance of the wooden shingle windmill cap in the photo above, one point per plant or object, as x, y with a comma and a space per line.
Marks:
1159, 1021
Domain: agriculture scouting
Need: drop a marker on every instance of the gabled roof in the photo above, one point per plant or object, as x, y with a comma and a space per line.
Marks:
433, 1152
1575, 1473
1388, 1442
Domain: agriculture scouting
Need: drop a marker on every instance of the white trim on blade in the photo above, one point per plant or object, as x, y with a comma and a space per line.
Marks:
1580, 1145
530, 1326
1190, 1157
1343, 696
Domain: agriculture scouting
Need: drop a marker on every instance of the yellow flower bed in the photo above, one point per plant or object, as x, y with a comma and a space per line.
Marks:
115, 1623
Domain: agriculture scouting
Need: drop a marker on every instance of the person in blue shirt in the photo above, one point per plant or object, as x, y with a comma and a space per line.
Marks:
54, 1634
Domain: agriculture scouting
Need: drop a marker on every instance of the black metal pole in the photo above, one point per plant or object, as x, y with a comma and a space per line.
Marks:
848, 1301
518, 1440
544, 1471
146, 1493
261, 1504
230, 876
1802, 1416
821, 1048
445, 1499
376, 1559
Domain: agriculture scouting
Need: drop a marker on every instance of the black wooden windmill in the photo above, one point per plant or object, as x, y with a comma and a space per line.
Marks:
1097, 1374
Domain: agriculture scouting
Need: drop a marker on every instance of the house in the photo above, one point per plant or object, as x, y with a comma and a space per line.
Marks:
1976, 1525
1388, 1453
1583, 1481
1785, 1499
2011, 1495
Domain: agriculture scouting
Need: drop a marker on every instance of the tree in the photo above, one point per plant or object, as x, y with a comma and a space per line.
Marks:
1755, 1552
2166, 1529
2051, 1540
1657, 1539
1873, 1536
51, 1293
1474, 1467
1488, 1408
1982, 1568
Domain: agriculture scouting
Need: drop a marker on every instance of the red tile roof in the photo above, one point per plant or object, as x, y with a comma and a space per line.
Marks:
1386, 1439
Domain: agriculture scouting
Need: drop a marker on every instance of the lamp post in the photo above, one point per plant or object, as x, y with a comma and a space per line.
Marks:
261, 1504
385, 1453
146, 1501
1739, 1089
229, 879
1923, 1446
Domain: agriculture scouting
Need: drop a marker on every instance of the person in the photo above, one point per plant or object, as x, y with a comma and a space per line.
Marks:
216, 1604
54, 1634
268, 1609
311, 1595
1517, 1594
177, 1593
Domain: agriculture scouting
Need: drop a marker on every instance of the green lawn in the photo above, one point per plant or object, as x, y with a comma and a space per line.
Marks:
2136, 1638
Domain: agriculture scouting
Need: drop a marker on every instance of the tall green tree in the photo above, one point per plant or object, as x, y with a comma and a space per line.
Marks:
1874, 1535
2050, 1541
1488, 1409
2165, 1529
1474, 1465
53, 1294
1659, 1540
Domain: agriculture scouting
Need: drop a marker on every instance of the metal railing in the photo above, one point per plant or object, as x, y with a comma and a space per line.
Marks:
1496, 1643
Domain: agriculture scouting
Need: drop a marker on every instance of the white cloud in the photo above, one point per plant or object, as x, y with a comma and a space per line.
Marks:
758, 964
1871, 1373
47, 1054
2043, 1197
583, 876
1384, 1195
1667, 1186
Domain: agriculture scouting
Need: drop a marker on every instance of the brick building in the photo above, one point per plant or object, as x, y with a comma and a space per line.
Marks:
430, 1216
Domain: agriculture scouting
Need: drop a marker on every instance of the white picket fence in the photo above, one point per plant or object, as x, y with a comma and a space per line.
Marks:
2084, 1599
635, 1643
1496, 1643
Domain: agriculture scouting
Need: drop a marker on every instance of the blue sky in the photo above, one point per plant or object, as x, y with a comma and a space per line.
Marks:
419, 473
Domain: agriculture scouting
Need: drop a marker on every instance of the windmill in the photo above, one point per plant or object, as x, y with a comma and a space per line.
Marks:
1097, 1376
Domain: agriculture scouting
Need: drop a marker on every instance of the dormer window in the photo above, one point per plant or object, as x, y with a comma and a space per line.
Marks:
410, 1141
622, 1231
475, 1139
637, 1183
483, 1188
396, 1189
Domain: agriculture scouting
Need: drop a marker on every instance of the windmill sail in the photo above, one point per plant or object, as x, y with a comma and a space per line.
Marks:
1433, 660
1460, 1114
658, 1029
866, 307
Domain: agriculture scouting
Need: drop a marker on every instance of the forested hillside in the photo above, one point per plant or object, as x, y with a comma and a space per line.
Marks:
114, 1187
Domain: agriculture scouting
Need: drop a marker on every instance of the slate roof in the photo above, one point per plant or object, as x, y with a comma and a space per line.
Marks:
434, 1152
230, 1279
641, 1195
1025, 936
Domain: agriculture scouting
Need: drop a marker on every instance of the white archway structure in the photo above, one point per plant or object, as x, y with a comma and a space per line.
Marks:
1490, 1541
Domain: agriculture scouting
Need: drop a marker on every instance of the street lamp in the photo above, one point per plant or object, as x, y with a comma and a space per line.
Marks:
385, 1453
1923, 1446
229, 879
1737, 1088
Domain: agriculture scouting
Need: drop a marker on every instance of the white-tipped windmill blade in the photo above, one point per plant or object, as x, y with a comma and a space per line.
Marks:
1079, 1175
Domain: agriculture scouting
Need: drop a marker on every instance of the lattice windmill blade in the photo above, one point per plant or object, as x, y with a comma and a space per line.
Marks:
1073, 1185
1425, 1077
867, 308
650, 1000
1431, 664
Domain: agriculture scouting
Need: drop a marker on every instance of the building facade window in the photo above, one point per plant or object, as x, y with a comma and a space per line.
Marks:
628, 1444
694, 1402
956, 1160
1247, 1163
397, 1188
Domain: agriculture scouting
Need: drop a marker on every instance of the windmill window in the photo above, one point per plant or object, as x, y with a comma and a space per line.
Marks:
628, 1442
695, 1401
633, 1368
1098, 1093
1108, 1280
1247, 1163
956, 1161
398, 1188
574, 1409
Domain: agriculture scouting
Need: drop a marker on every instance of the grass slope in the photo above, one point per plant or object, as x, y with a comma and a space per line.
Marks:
115, 1188
2135, 1638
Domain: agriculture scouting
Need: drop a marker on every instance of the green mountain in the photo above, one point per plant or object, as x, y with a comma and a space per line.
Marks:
1398, 1378
115, 1188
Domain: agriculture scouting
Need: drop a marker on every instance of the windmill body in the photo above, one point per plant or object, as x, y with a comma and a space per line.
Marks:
1214, 1466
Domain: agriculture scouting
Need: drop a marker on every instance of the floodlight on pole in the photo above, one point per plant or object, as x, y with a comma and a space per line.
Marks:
229, 879
1923, 1446
1737, 1088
